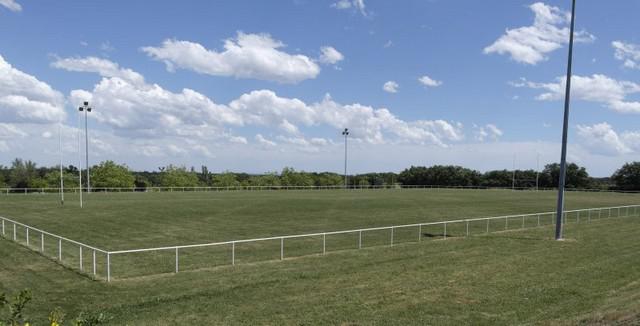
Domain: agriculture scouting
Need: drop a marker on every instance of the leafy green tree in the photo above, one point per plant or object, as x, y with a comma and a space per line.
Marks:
174, 176
22, 173
226, 179
108, 174
627, 177
269, 179
52, 179
290, 177
577, 176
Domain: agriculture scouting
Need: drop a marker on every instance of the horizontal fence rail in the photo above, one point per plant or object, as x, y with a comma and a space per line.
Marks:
46, 190
193, 256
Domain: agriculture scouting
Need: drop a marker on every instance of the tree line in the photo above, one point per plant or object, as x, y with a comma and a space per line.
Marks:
108, 174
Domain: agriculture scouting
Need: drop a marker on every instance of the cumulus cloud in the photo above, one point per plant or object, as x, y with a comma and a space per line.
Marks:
531, 44
390, 87
265, 142
11, 5
24, 98
602, 139
330, 55
487, 132
103, 67
429, 82
255, 56
597, 88
628, 53
351, 4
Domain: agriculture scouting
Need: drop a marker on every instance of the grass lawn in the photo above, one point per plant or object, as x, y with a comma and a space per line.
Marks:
517, 277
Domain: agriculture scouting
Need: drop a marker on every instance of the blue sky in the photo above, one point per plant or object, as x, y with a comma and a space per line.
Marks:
258, 85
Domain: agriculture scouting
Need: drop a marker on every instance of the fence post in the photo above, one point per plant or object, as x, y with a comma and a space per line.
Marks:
233, 253
324, 243
445, 231
506, 223
419, 232
177, 258
60, 249
281, 248
467, 228
14, 232
108, 267
538, 219
94, 262
27, 235
522, 222
41, 242
392, 236
487, 225
81, 267
360, 239
2, 226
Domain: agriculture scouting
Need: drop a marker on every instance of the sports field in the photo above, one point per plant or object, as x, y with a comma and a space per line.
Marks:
505, 277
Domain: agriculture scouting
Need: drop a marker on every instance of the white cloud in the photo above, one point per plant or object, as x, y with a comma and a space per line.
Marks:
330, 55
390, 87
103, 67
256, 56
628, 53
596, 88
348, 4
265, 142
429, 82
11, 5
24, 98
489, 131
602, 139
531, 44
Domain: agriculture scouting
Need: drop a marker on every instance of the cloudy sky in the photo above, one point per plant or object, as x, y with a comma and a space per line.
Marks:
258, 85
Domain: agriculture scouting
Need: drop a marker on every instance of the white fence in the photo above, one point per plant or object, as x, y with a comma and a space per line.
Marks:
313, 243
25, 191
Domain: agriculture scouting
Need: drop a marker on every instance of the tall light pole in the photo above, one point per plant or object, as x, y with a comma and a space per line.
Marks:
86, 110
563, 157
79, 161
345, 133
61, 173
513, 175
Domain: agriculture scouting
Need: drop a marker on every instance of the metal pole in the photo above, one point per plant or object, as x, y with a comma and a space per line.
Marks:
86, 145
565, 127
79, 163
27, 235
360, 239
61, 158
59, 249
94, 262
81, 267
41, 242
346, 134
233, 253
177, 260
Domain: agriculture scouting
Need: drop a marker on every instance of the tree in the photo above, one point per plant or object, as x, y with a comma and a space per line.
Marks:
443, 175
108, 174
173, 176
226, 179
577, 176
290, 177
52, 179
23, 173
266, 180
627, 177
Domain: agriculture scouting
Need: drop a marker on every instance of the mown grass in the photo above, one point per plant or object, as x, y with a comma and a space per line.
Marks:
516, 277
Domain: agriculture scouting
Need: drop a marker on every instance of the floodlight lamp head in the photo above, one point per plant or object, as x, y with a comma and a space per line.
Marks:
86, 103
346, 131
80, 109
88, 109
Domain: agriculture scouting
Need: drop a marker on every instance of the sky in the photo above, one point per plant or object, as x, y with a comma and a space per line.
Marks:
255, 86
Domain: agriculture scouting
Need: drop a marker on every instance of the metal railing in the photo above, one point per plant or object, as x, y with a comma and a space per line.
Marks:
318, 242
46, 190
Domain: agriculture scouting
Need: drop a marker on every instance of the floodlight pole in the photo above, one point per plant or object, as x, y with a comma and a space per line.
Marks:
345, 133
563, 158
61, 176
79, 162
86, 110
513, 175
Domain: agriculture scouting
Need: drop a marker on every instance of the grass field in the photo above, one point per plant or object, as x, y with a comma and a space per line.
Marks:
500, 278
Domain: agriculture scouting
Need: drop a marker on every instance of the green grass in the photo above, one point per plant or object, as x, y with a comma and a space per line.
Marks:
520, 277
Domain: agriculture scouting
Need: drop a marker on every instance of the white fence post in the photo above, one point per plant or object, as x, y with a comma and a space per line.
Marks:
522, 221
392, 236
281, 248
94, 262
81, 267
445, 231
419, 232
27, 235
3, 227
41, 242
360, 239
324, 243
177, 258
60, 249
14, 232
467, 228
233, 253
